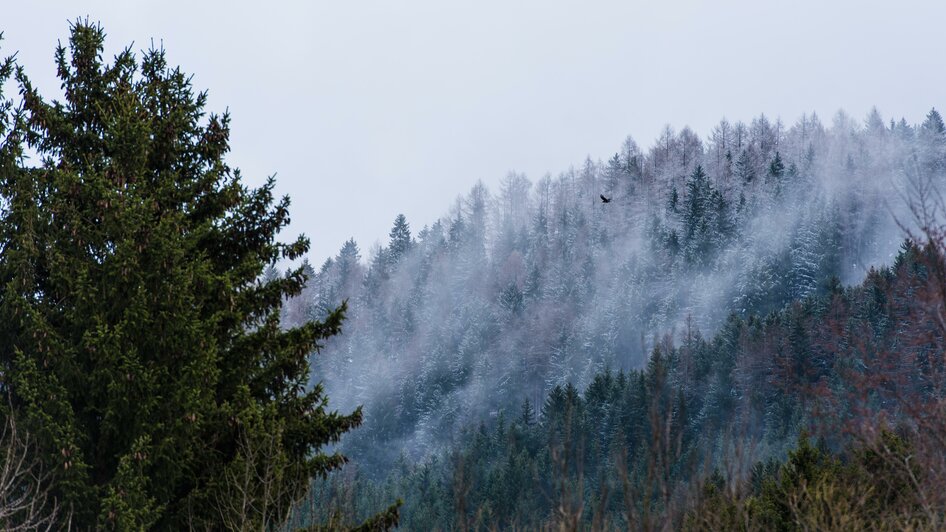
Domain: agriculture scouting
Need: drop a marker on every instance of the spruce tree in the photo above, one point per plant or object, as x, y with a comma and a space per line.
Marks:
776, 168
697, 214
932, 145
745, 168
695, 208
401, 241
138, 342
348, 257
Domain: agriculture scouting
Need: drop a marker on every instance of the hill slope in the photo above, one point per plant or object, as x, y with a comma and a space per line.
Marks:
540, 284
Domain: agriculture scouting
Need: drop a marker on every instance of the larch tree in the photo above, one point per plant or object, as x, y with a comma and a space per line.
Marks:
139, 343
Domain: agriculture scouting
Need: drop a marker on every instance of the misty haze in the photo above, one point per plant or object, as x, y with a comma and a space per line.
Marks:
534, 266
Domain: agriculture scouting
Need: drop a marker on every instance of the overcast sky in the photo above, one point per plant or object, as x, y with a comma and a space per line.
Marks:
366, 109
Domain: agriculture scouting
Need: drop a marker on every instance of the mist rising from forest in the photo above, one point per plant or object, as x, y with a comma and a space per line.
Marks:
539, 283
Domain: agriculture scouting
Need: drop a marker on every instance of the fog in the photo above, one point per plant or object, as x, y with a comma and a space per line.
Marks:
539, 282
370, 110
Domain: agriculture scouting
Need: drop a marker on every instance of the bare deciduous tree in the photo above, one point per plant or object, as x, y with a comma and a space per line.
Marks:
26, 499
256, 487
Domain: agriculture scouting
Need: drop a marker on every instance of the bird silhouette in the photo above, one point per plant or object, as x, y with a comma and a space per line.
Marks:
604, 199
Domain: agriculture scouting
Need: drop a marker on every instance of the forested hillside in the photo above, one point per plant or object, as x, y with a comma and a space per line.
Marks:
743, 330
646, 448
542, 284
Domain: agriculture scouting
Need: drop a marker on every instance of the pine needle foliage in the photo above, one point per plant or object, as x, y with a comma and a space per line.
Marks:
139, 340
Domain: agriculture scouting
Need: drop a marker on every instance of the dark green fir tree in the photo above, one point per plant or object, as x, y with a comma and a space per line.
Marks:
139, 343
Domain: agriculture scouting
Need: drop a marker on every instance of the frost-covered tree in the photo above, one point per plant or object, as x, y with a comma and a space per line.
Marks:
401, 240
534, 286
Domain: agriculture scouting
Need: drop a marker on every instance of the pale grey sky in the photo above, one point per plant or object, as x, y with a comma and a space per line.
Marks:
365, 109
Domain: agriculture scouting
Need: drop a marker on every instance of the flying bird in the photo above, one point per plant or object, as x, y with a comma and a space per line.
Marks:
604, 199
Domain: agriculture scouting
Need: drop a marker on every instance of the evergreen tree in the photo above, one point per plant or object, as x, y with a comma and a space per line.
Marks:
348, 260
697, 200
776, 171
614, 174
932, 137
724, 226
674, 200
138, 342
698, 213
933, 125
776, 168
875, 124
904, 131
745, 168
527, 413
401, 241
511, 299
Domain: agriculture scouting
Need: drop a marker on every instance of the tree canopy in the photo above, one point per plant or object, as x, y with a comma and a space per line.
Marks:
139, 342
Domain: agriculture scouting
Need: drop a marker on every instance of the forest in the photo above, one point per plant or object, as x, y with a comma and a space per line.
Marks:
740, 329
540, 357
